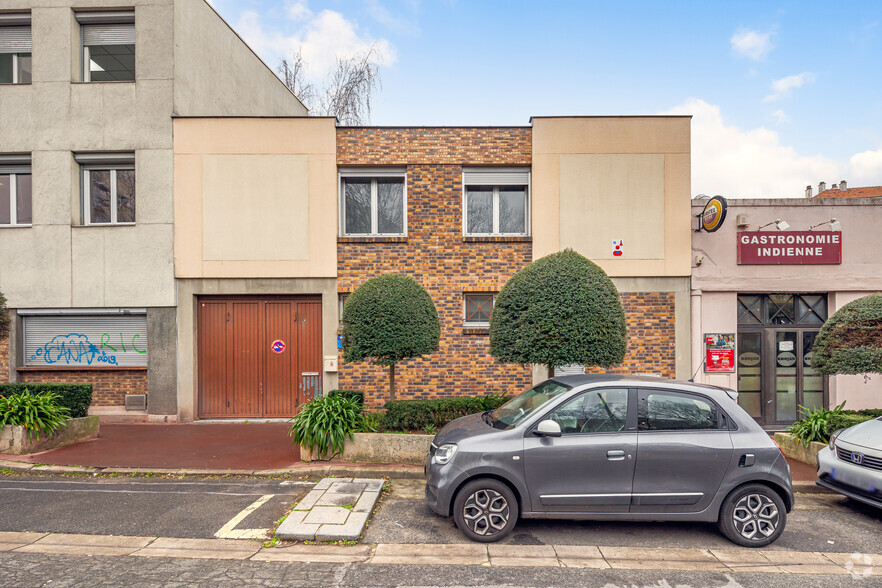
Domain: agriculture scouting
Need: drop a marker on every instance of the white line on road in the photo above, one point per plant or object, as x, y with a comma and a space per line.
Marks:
229, 530
126, 491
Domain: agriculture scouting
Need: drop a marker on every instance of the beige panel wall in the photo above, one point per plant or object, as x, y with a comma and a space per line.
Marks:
255, 198
596, 179
217, 74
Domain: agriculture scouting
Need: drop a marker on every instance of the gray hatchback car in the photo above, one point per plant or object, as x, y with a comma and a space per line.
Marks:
608, 447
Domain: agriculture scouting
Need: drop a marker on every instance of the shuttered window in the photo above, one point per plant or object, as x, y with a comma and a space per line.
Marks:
496, 202
108, 46
15, 49
15, 190
85, 341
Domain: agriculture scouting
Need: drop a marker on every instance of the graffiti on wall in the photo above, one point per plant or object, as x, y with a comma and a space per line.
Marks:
78, 349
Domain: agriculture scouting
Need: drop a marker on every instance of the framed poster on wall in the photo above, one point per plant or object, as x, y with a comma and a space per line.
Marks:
719, 352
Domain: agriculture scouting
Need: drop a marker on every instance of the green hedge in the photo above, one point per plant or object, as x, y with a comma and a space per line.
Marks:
358, 395
844, 421
870, 412
75, 397
416, 415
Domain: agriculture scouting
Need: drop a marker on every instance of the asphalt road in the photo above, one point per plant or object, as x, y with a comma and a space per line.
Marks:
24, 570
819, 522
196, 508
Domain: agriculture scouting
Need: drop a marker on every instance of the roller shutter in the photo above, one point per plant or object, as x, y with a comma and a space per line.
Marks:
85, 341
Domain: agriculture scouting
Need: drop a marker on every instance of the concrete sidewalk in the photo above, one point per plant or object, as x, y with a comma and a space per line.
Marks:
733, 560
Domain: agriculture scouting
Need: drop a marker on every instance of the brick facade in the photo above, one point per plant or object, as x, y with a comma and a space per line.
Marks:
109, 386
651, 347
436, 254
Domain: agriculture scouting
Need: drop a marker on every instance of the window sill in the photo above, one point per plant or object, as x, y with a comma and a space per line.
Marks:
4, 84
498, 239
372, 239
103, 225
17, 226
475, 330
79, 368
90, 83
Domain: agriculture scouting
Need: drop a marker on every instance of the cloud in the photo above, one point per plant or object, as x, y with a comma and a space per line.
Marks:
781, 116
865, 169
322, 37
752, 163
752, 44
382, 15
781, 88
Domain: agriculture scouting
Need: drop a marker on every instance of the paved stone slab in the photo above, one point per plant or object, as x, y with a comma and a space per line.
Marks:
293, 529
15, 466
56, 469
308, 501
745, 560
339, 487
580, 556
430, 553
325, 483
367, 502
337, 499
75, 544
636, 558
200, 548
522, 555
315, 553
10, 540
351, 531
320, 515
858, 564
370, 484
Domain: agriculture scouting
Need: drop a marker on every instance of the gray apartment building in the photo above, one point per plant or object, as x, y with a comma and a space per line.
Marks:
88, 94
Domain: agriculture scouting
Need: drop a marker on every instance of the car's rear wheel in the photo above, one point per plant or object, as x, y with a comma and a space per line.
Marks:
485, 510
753, 516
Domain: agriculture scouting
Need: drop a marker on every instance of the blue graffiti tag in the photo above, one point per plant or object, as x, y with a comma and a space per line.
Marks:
72, 348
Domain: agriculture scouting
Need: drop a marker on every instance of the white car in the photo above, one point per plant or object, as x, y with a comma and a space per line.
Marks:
852, 463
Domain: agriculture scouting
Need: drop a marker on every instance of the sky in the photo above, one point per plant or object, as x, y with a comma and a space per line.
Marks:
782, 94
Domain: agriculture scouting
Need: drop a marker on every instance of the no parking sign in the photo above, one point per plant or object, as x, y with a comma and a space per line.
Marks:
278, 346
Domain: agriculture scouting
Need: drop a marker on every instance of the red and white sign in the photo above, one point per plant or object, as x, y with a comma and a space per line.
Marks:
618, 247
789, 247
278, 346
720, 360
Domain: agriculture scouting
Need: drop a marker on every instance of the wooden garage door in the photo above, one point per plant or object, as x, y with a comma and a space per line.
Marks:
258, 357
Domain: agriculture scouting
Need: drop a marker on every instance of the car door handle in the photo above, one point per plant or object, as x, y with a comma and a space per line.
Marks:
615, 455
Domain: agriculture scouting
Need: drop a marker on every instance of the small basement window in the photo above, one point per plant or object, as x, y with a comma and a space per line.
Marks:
478, 308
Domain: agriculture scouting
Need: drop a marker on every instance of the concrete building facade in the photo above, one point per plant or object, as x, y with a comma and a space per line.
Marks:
87, 263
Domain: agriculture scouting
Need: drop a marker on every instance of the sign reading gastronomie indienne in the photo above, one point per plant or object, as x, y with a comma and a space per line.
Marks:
789, 247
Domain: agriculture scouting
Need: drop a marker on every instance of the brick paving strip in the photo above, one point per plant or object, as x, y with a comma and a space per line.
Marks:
569, 556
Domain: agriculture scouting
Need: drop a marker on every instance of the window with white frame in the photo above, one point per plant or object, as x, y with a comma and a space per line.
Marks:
108, 193
373, 203
15, 48
15, 190
108, 45
478, 307
496, 202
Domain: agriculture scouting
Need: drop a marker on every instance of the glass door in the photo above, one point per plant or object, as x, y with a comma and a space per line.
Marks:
785, 375
750, 366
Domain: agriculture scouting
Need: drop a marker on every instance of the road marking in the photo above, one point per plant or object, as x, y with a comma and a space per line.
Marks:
126, 491
229, 530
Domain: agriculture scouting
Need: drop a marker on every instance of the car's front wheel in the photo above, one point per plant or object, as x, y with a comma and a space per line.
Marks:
753, 516
485, 510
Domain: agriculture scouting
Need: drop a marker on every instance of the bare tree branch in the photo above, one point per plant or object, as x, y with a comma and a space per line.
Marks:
348, 89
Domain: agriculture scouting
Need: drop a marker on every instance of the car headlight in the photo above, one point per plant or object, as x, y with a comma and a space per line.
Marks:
833, 439
444, 453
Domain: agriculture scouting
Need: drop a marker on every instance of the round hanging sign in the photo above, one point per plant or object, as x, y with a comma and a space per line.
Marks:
278, 346
713, 215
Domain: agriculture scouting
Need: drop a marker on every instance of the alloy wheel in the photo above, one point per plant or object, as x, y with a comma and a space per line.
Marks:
486, 512
756, 517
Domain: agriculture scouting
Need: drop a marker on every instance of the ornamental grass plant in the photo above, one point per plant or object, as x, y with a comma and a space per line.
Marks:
39, 414
325, 423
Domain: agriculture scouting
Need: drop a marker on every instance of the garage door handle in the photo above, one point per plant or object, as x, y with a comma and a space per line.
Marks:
615, 454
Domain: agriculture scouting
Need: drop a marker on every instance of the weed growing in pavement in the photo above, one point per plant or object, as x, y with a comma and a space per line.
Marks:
271, 542
6, 472
347, 506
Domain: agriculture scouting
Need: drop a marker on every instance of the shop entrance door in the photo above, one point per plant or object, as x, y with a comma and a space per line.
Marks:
776, 335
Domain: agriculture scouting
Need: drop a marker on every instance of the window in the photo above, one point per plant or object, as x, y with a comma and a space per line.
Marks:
15, 48
108, 188
496, 202
373, 203
782, 309
108, 46
15, 190
670, 411
596, 411
98, 340
478, 308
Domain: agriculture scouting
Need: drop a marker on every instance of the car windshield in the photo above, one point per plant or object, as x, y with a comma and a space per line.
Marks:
520, 407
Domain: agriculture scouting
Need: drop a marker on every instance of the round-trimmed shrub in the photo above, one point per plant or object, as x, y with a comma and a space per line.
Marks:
561, 309
850, 342
388, 319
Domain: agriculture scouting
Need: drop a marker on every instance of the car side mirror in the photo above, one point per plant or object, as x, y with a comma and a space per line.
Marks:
548, 428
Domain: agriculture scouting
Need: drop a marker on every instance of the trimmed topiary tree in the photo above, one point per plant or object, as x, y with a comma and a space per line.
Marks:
850, 342
4, 317
560, 309
388, 319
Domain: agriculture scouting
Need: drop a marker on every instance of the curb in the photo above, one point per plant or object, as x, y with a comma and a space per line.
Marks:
310, 471
802, 487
